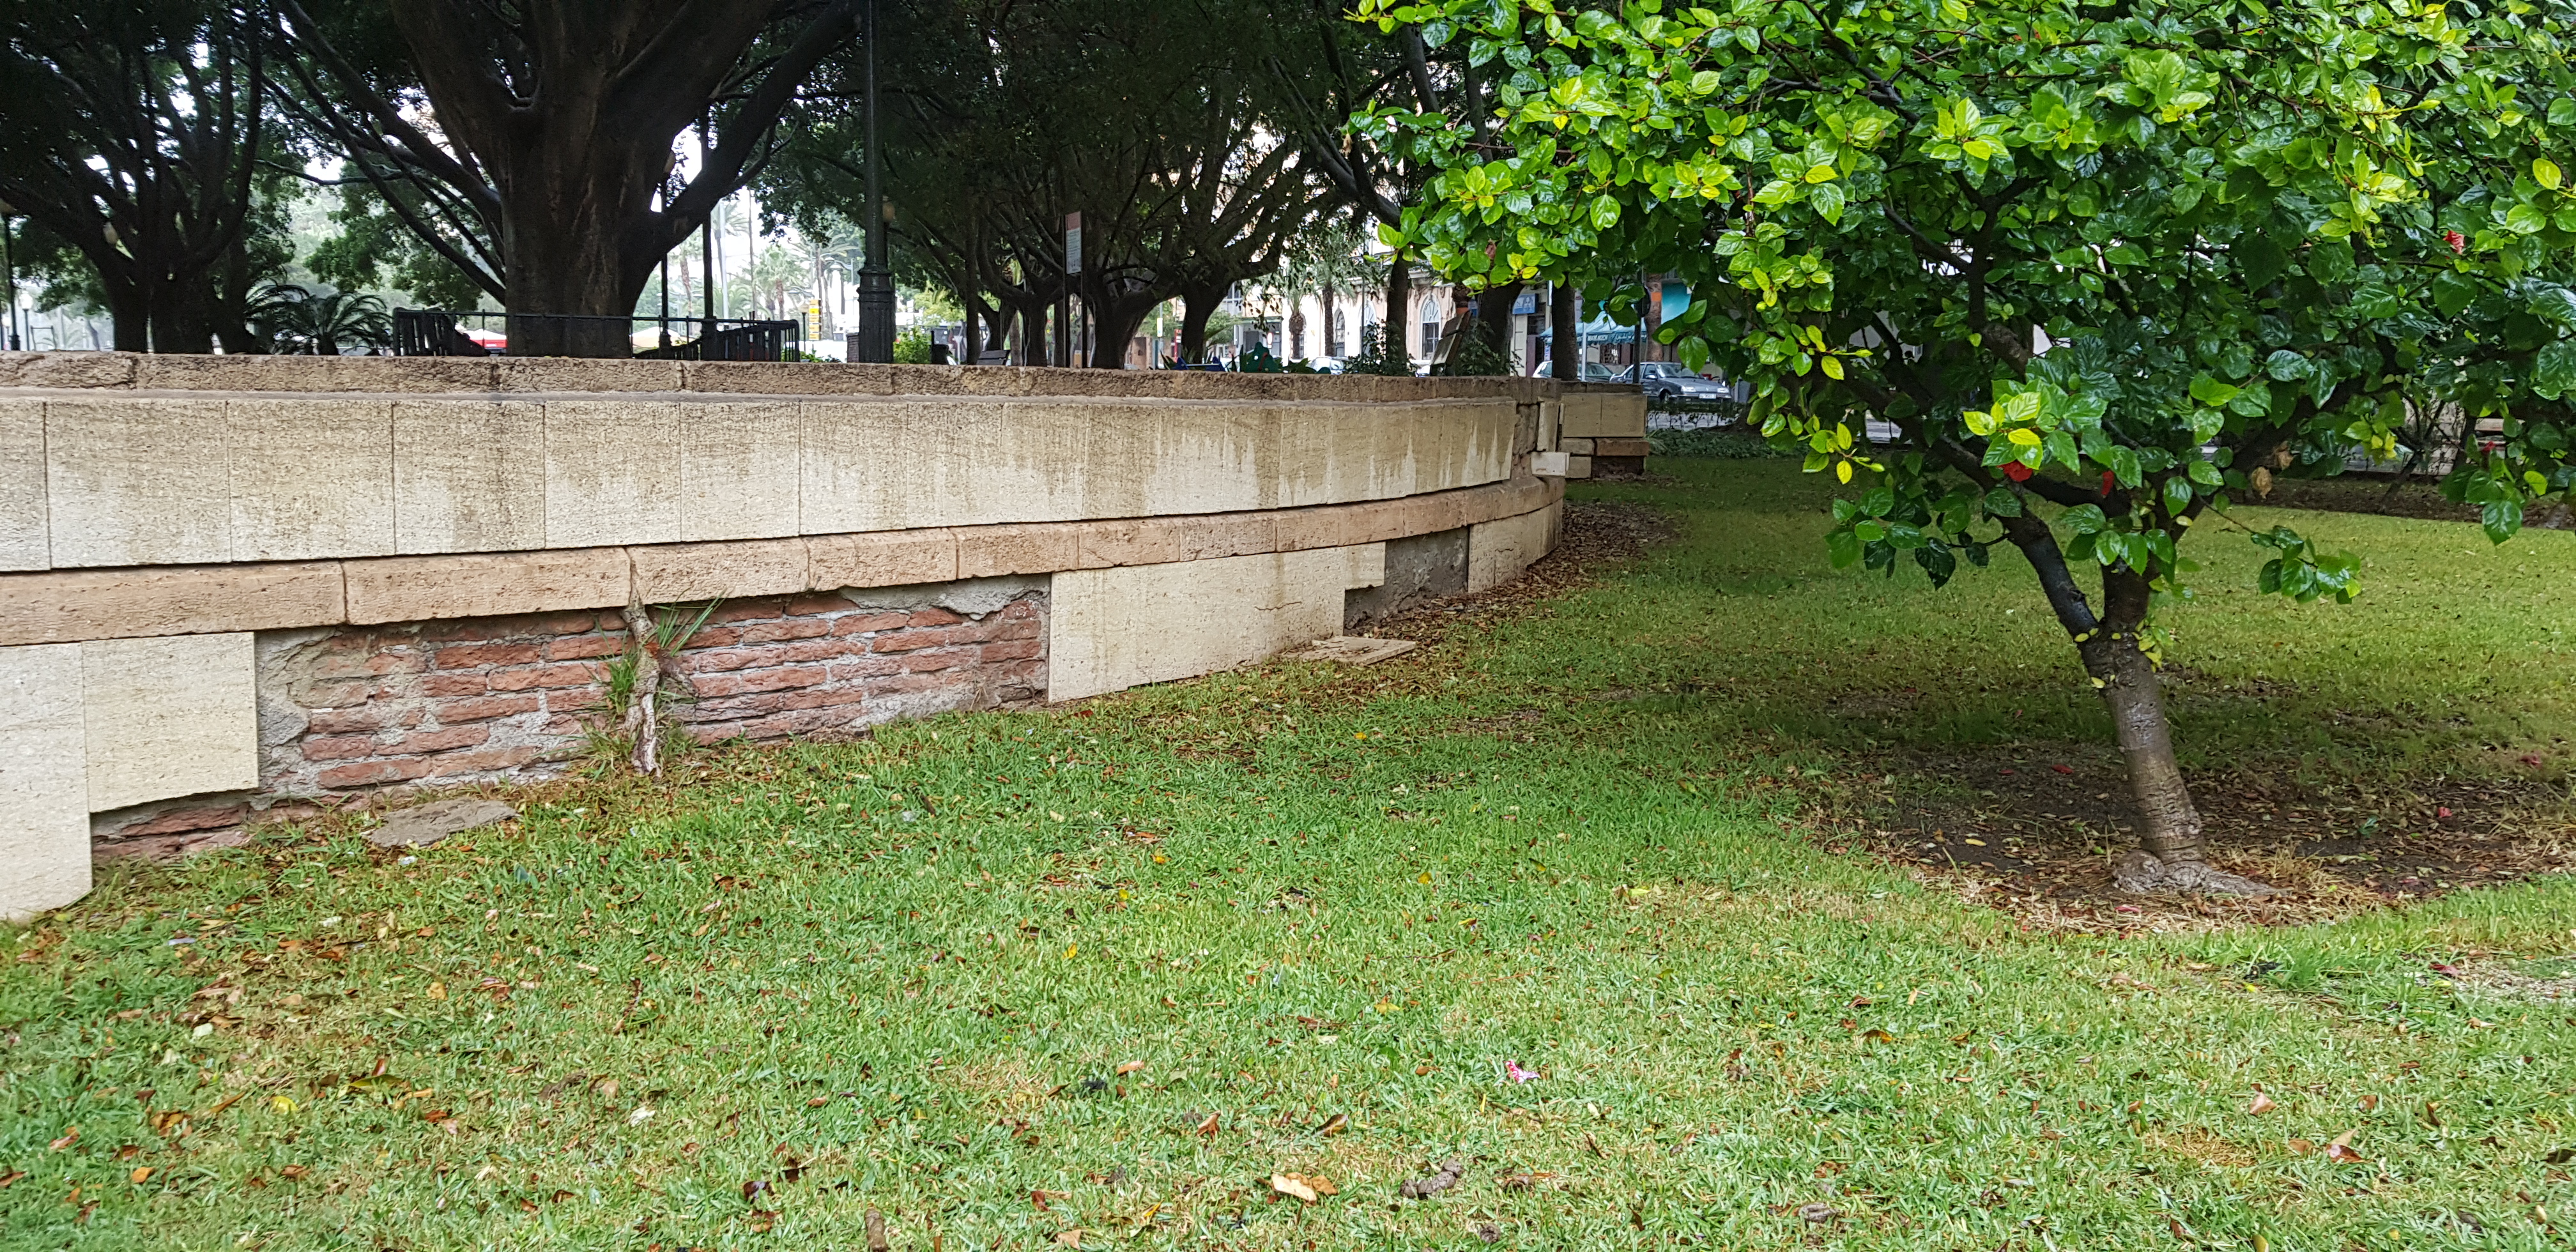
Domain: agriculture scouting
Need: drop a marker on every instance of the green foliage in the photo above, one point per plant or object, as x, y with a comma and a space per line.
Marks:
295, 320
2245, 233
1258, 359
1381, 353
912, 347
1475, 355
374, 250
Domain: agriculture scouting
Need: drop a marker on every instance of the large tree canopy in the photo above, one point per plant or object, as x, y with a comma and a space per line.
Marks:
546, 165
133, 133
2100, 266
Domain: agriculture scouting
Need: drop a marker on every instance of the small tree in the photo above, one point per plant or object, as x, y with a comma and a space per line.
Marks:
2100, 266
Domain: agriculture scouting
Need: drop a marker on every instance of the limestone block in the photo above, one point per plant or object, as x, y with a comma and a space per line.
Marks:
311, 478
1111, 629
861, 459
1578, 467
572, 374
1498, 551
1339, 525
1549, 464
137, 481
707, 571
1155, 540
1035, 548
372, 374
612, 472
1622, 447
789, 378
1151, 458
1367, 566
22, 484
419, 588
886, 558
67, 606
169, 717
44, 795
469, 475
1008, 461
1579, 447
1617, 414
67, 369
740, 470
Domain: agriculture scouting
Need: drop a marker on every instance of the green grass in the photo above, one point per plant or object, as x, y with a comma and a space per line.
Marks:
907, 974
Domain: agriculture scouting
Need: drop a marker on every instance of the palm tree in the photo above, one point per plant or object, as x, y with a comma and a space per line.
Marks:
1326, 260
296, 320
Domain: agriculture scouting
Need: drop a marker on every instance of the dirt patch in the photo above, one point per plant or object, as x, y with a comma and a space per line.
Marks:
2415, 498
2035, 829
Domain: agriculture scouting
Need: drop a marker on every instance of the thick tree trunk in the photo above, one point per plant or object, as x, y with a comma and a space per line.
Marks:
1114, 323
2173, 852
1198, 304
1564, 353
1494, 315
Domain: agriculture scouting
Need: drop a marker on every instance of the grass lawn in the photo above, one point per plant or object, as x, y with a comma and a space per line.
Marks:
1092, 977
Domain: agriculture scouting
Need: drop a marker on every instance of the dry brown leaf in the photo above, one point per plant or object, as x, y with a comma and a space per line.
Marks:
1302, 1186
1208, 1127
2302, 1147
2261, 1104
2369, 1102
1070, 1238
140, 1173
1129, 1068
2341, 1149
1336, 1124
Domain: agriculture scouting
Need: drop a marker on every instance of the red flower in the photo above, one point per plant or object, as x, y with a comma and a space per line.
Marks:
2017, 471
2107, 481
2459, 243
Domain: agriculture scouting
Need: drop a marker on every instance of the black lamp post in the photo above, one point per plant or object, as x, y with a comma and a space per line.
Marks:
8, 275
874, 341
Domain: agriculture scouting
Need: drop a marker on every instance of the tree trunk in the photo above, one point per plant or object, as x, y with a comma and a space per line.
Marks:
1399, 314
1564, 352
1114, 323
1494, 315
1198, 304
2173, 853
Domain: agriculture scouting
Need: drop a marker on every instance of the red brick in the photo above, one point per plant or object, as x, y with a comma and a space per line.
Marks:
902, 683
869, 667
180, 821
713, 685
486, 655
570, 674
869, 623
1013, 650
772, 702
439, 740
565, 725
448, 686
791, 628
486, 760
370, 773
758, 609
485, 708
934, 617
799, 722
364, 717
823, 605
338, 747
908, 641
585, 647
937, 659
713, 637
576, 700
1018, 628
1023, 609
370, 664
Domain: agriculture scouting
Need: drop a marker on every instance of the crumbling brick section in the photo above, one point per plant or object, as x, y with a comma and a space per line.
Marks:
360, 708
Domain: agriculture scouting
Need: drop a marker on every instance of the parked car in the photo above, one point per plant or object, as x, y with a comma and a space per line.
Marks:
1668, 380
1596, 372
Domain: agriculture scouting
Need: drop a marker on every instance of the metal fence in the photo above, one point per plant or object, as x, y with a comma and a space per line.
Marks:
437, 332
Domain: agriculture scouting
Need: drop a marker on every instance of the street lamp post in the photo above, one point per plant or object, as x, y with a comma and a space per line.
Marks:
8, 274
875, 340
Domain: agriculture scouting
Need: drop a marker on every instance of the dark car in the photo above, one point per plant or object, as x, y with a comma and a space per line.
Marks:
1667, 380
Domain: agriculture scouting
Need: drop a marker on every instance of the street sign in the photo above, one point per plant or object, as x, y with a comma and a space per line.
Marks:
1073, 243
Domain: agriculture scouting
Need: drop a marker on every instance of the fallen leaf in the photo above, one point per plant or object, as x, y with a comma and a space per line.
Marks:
11, 1177
1335, 1124
2302, 1147
818, 1102
140, 1173
606, 1087
293, 1171
1070, 1238
2262, 1104
1875, 1035
762, 1220
2447, 971
1292, 1185
1817, 1214
71, 1135
640, 1116
2369, 1102
2341, 1149
1208, 1127
1129, 1067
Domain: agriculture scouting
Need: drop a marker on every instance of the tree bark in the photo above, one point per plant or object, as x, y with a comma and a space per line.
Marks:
1494, 314
1564, 354
1198, 304
2173, 851
1399, 313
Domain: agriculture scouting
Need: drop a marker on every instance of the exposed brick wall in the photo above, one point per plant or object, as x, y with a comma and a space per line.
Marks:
357, 708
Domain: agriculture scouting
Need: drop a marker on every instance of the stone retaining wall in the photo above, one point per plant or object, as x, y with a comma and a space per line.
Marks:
239, 583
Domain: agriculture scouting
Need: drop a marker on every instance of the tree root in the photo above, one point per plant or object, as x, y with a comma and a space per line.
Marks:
2141, 873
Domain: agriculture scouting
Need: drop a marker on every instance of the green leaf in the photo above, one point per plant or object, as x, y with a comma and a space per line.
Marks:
2546, 172
1827, 200
2177, 493
2525, 219
2287, 366
2212, 392
2002, 502
2501, 518
1844, 547
2562, 112
1605, 212
2553, 369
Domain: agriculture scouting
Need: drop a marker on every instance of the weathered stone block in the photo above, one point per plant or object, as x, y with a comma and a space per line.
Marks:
67, 369
1035, 548
708, 571
137, 481
23, 538
412, 589
612, 472
1154, 540
1498, 551
740, 469
310, 478
1115, 628
44, 791
469, 475
890, 558
169, 717
67, 606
